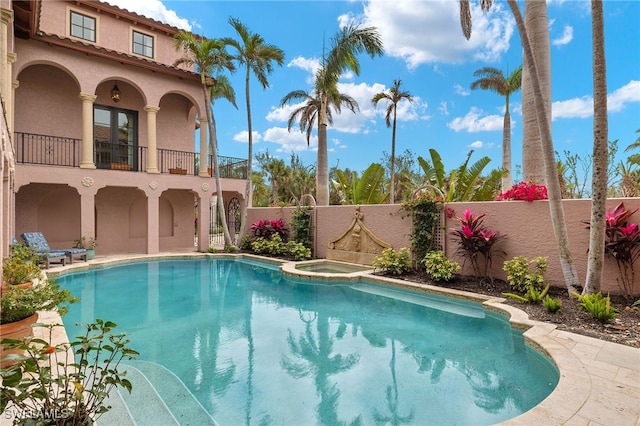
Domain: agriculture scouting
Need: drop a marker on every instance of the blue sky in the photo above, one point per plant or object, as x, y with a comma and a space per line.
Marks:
425, 49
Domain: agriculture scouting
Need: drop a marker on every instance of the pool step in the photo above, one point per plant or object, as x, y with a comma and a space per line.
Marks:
171, 393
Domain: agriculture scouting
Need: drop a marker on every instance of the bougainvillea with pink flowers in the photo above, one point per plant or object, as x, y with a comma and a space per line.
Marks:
524, 191
476, 241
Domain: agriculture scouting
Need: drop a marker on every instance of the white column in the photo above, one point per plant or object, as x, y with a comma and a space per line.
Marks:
86, 154
152, 145
204, 128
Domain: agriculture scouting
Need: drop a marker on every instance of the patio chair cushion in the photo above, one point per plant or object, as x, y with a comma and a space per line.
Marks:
37, 241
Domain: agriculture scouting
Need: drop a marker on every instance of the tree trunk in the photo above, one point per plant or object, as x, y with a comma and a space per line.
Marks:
600, 154
537, 26
213, 142
507, 182
553, 185
248, 191
393, 159
322, 172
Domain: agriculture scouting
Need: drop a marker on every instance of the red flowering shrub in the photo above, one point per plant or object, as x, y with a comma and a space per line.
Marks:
266, 228
476, 241
524, 191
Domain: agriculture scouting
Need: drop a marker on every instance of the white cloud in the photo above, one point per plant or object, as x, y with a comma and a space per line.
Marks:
443, 108
153, 9
583, 107
461, 90
422, 32
630, 92
565, 38
475, 122
479, 145
310, 65
293, 141
243, 137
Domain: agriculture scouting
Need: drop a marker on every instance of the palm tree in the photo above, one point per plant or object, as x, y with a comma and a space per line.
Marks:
208, 56
537, 25
222, 90
634, 158
394, 97
345, 46
258, 57
307, 113
277, 172
493, 79
599, 178
544, 126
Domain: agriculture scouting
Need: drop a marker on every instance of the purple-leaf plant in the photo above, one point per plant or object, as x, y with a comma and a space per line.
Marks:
476, 242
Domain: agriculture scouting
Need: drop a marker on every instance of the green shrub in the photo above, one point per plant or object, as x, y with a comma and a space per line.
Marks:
260, 245
301, 226
245, 243
211, 249
598, 306
439, 268
531, 296
231, 249
393, 262
519, 274
298, 250
552, 305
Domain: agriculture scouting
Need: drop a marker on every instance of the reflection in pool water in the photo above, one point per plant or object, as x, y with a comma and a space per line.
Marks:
256, 347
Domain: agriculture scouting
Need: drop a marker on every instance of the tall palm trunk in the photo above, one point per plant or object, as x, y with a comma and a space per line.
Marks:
553, 185
393, 160
322, 173
214, 155
537, 26
248, 191
600, 154
506, 148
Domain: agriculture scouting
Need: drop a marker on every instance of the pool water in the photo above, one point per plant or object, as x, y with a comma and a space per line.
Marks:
253, 346
327, 266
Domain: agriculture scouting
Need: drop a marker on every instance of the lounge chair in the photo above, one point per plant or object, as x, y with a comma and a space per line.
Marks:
37, 241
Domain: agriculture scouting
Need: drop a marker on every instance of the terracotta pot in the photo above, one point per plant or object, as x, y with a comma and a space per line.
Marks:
15, 330
5, 286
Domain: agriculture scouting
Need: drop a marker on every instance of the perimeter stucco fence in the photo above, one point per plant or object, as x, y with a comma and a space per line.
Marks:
527, 226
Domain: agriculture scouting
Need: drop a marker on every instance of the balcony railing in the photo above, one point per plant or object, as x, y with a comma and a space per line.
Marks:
49, 150
59, 151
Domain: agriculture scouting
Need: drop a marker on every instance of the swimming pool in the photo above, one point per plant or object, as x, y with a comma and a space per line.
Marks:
247, 344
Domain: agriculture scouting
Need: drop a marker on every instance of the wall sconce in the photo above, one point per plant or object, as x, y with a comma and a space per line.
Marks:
115, 93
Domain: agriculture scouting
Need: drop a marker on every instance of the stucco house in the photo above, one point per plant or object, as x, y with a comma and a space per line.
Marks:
101, 135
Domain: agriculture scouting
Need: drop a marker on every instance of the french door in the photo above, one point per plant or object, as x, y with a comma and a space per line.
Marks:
115, 134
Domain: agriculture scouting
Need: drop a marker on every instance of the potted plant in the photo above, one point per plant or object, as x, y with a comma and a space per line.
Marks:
88, 243
51, 386
19, 307
26, 253
19, 272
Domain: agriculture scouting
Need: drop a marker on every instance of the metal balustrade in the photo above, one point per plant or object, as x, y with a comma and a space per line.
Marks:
66, 152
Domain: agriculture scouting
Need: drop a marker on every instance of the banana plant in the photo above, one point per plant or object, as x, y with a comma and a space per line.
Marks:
465, 183
368, 189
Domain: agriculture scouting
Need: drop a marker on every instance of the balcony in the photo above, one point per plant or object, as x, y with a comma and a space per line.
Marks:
65, 152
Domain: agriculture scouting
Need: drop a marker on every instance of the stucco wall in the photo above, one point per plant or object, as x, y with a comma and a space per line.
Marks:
527, 227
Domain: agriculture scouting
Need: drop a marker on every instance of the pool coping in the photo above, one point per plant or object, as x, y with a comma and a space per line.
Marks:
599, 380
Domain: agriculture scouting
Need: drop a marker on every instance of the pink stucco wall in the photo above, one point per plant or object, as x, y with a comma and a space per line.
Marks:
111, 32
527, 227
